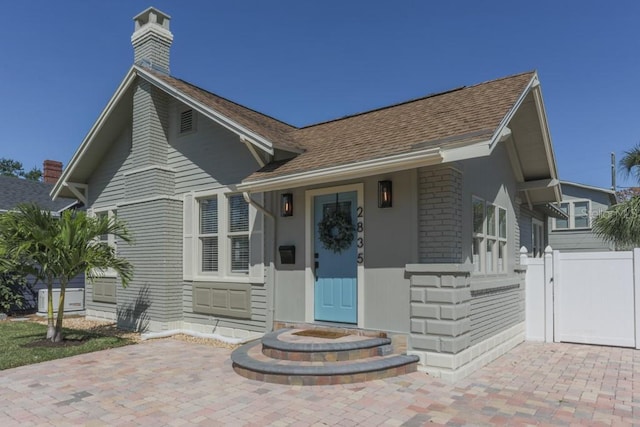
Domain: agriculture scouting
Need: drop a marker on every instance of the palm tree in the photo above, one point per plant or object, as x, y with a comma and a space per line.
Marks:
26, 237
80, 251
621, 223
61, 248
630, 162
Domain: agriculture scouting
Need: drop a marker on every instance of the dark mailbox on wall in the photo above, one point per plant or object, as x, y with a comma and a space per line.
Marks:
287, 254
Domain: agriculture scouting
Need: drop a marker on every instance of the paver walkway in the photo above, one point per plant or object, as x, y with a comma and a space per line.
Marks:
170, 382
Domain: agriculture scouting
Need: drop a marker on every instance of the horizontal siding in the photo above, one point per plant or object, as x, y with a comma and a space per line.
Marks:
576, 240
493, 311
208, 158
149, 183
257, 323
106, 184
155, 291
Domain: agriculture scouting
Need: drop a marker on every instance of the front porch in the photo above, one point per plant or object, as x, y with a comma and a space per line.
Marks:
318, 355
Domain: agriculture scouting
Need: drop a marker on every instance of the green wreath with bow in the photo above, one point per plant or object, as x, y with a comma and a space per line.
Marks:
336, 231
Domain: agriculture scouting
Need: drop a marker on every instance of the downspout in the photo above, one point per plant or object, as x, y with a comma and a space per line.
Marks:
271, 278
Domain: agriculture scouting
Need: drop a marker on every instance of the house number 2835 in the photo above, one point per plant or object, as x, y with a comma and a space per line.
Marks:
360, 230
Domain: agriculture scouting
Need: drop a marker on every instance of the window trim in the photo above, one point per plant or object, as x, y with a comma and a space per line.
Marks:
111, 239
571, 222
224, 272
480, 268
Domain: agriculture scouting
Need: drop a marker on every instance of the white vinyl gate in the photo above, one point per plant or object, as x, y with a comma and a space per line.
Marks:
584, 297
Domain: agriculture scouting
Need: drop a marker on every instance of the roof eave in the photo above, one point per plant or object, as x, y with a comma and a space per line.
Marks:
343, 172
84, 146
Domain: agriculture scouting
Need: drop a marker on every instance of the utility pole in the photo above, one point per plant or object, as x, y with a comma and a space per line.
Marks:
613, 171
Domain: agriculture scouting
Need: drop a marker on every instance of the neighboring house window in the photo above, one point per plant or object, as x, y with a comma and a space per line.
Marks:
578, 215
224, 235
489, 246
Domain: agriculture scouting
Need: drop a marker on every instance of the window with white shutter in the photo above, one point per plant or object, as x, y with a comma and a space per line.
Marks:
239, 233
209, 234
224, 237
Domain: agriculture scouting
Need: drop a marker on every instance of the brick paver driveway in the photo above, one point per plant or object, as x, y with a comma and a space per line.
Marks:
170, 382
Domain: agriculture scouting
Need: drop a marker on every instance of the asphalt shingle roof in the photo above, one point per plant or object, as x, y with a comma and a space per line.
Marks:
461, 115
14, 191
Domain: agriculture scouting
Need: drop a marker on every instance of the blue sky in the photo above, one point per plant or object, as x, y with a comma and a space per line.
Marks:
305, 62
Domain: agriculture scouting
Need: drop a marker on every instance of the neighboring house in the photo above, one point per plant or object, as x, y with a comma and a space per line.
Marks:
14, 191
582, 204
404, 219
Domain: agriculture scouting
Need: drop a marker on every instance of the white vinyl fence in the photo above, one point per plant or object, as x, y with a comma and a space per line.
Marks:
584, 297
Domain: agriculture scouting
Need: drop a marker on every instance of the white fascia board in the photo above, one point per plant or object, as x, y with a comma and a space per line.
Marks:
538, 184
97, 126
255, 139
403, 161
588, 187
502, 132
472, 151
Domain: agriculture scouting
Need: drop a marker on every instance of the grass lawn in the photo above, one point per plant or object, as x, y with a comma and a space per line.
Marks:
23, 343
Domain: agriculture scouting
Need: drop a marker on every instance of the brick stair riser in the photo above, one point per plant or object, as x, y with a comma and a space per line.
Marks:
328, 356
326, 379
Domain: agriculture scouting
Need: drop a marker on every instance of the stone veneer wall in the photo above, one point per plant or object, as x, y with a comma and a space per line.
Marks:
439, 214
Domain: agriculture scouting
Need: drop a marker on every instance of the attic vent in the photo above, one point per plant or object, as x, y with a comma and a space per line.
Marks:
186, 121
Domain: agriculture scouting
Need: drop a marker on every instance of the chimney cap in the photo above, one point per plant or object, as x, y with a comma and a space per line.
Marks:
151, 15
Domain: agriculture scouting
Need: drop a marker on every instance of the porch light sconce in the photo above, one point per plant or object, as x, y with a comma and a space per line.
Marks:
287, 204
385, 198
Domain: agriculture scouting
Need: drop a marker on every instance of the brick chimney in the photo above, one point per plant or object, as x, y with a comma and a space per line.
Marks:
152, 40
51, 171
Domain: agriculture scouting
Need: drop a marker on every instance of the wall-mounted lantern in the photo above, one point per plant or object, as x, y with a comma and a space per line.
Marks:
286, 204
385, 198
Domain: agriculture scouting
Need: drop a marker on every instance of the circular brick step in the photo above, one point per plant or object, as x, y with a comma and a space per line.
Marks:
250, 362
281, 345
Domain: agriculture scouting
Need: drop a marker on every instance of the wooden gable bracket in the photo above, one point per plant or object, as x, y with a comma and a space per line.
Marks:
537, 184
261, 157
81, 191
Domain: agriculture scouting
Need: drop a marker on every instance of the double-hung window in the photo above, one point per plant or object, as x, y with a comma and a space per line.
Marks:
489, 246
578, 216
109, 239
209, 235
223, 235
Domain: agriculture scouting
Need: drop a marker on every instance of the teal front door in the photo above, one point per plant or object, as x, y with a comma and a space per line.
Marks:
336, 296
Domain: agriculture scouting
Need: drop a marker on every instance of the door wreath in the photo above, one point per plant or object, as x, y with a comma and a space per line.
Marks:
336, 231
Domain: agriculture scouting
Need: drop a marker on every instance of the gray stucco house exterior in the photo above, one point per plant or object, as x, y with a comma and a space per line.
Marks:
404, 219
582, 204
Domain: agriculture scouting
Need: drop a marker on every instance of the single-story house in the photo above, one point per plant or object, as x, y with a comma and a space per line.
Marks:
582, 204
404, 219
14, 191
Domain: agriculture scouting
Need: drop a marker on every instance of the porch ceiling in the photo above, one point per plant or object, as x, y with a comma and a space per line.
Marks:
532, 153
